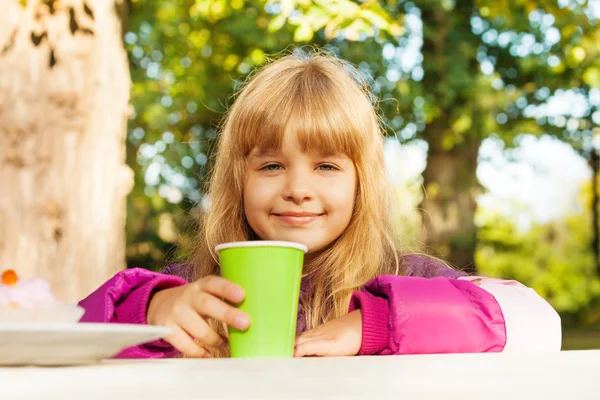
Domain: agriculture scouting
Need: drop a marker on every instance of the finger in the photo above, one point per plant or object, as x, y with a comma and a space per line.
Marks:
209, 305
185, 344
317, 347
199, 329
221, 287
306, 336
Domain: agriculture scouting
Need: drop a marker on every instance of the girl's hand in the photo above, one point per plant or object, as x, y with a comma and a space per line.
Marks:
340, 337
184, 309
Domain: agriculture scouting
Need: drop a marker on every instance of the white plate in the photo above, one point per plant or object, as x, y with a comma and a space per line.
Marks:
70, 344
57, 314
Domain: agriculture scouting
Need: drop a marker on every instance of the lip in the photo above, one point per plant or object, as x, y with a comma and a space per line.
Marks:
294, 218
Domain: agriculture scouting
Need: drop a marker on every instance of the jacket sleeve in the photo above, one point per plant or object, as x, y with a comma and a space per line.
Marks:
124, 299
413, 315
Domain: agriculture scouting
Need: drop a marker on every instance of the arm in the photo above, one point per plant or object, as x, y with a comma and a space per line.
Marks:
412, 315
124, 299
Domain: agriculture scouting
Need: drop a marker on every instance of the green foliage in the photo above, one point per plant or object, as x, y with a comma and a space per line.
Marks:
554, 258
472, 67
334, 18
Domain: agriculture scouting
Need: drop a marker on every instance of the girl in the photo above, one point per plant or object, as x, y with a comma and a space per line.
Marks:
300, 159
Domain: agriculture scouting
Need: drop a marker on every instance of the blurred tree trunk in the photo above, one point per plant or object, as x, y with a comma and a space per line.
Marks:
449, 203
595, 165
64, 90
454, 135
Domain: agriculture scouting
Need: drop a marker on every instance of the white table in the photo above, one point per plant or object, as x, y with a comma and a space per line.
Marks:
509, 376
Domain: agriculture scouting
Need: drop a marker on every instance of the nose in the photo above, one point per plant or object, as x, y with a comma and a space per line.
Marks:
297, 188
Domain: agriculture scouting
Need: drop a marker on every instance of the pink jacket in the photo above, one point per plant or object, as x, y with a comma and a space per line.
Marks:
432, 309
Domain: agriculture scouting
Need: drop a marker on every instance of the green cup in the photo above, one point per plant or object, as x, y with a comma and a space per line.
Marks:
270, 273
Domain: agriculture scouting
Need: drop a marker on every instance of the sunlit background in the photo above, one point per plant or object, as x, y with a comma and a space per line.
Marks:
510, 91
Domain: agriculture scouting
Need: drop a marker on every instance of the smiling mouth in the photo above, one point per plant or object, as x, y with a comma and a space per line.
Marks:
297, 218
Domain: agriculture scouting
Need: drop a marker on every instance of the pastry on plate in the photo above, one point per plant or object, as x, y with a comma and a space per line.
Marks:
32, 300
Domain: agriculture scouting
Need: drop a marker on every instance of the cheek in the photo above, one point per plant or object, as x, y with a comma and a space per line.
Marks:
352, 189
342, 197
248, 200
251, 210
349, 203
257, 199
250, 203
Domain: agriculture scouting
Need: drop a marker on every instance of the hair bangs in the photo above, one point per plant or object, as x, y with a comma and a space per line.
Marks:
320, 126
313, 109
261, 121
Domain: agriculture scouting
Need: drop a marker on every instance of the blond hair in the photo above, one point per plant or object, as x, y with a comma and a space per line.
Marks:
330, 109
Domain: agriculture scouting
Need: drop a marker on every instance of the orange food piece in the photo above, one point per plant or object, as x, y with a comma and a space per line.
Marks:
9, 277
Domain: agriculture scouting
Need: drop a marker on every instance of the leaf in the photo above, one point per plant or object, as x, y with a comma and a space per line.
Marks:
462, 123
344, 8
591, 76
576, 55
303, 33
287, 6
448, 141
237, 4
375, 19
257, 56
317, 18
277, 23
355, 29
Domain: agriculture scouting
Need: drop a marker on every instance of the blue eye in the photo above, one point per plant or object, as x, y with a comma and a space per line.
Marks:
327, 167
271, 167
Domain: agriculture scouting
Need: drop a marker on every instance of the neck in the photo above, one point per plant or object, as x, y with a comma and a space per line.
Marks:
310, 257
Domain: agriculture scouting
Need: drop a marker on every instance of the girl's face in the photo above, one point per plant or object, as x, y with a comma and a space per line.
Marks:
298, 197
